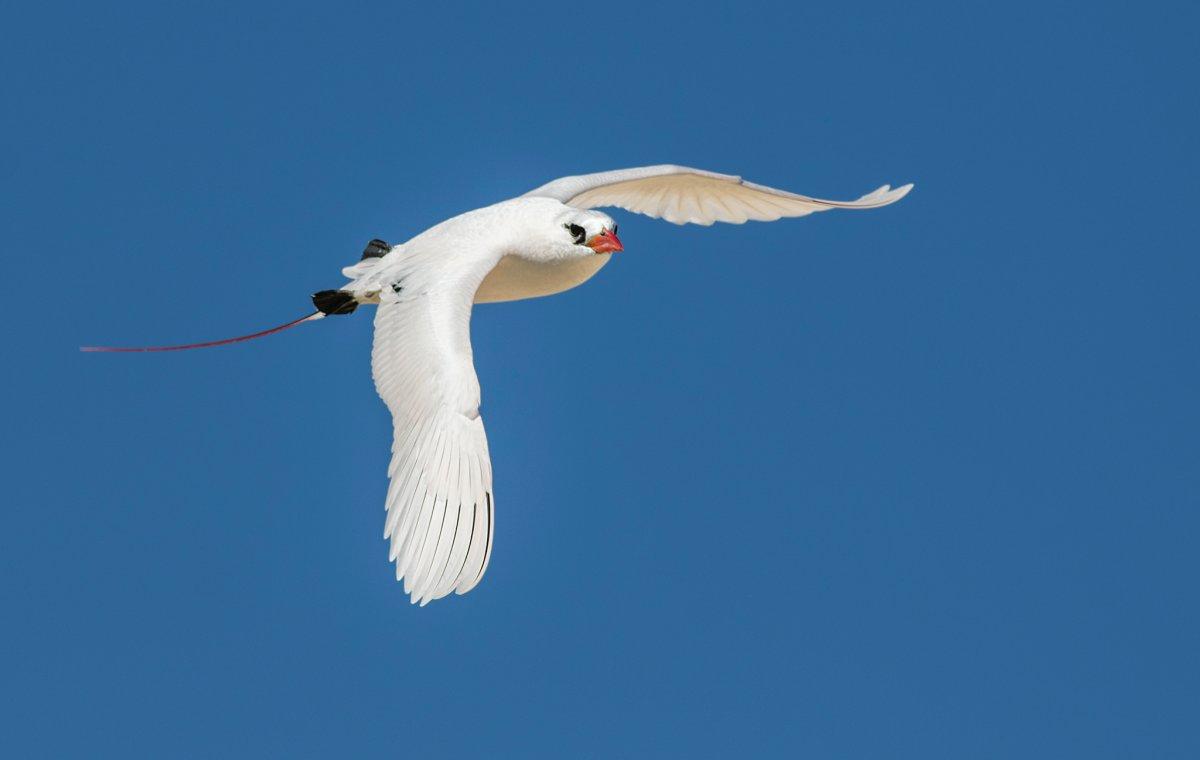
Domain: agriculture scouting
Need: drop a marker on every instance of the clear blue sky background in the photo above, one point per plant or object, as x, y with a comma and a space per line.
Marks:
914, 483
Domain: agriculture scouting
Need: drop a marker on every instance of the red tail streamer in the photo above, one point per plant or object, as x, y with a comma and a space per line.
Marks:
207, 344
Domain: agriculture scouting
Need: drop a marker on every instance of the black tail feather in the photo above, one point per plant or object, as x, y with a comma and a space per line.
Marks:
334, 302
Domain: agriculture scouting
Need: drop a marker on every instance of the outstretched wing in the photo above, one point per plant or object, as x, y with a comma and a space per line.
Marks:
439, 501
682, 195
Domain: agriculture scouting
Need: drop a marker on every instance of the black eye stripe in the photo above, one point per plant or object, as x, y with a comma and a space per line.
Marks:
577, 233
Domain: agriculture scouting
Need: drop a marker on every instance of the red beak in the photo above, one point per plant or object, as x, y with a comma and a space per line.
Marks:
605, 242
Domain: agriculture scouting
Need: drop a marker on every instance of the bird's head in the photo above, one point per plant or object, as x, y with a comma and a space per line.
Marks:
565, 233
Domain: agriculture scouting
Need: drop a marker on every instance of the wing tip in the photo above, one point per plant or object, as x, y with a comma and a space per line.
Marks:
894, 195
884, 195
422, 590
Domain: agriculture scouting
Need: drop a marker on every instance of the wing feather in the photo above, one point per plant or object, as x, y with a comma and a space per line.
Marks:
683, 195
439, 516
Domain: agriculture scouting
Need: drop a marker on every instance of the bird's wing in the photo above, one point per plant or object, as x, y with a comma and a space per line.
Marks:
682, 195
439, 501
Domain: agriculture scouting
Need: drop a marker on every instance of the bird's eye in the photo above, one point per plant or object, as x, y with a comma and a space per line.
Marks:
614, 228
577, 233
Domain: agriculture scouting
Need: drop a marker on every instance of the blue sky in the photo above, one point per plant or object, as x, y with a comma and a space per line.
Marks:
913, 483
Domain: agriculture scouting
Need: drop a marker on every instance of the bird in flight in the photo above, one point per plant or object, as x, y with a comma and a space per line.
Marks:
440, 503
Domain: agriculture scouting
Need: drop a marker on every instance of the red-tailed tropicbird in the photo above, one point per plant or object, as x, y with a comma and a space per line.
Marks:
440, 505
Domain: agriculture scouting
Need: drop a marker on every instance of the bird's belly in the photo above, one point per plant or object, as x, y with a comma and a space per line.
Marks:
514, 278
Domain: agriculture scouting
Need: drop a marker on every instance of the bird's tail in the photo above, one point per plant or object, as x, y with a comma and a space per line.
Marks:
205, 344
327, 302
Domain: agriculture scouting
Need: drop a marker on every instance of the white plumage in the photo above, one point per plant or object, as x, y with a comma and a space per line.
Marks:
440, 503
692, 196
